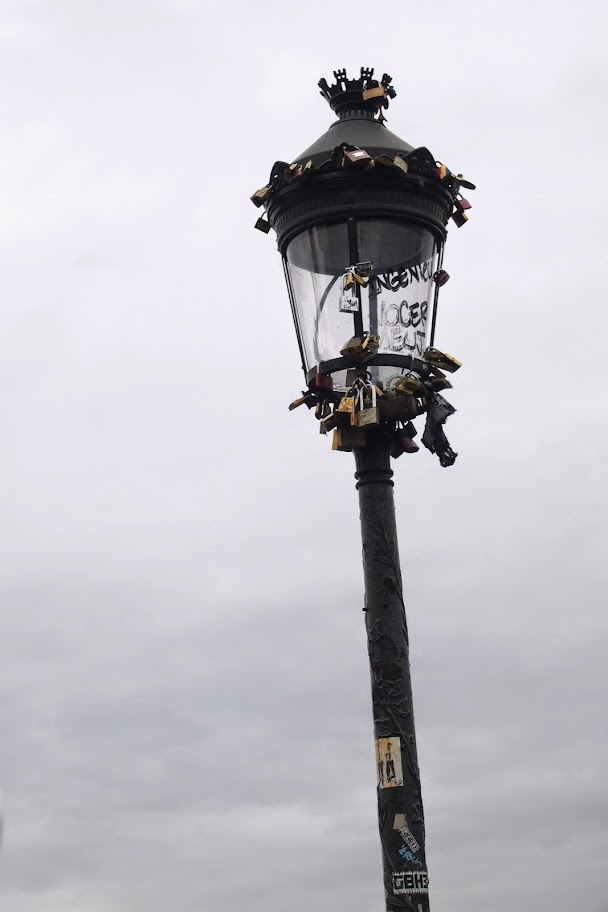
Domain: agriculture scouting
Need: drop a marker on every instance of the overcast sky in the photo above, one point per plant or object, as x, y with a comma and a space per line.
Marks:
185, 721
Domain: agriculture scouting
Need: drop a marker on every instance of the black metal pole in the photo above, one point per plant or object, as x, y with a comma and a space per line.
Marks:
400, 813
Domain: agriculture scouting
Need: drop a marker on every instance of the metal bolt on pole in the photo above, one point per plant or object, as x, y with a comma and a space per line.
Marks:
400, 812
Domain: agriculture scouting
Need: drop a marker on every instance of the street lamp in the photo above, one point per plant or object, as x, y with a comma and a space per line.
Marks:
360, 219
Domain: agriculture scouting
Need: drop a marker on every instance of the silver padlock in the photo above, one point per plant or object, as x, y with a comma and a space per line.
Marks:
348, 303
370, 415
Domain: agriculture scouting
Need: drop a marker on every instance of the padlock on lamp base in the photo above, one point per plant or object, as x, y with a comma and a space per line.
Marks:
347, 438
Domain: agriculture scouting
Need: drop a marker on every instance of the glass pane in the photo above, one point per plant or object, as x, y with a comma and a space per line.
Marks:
396, 305
317, 260
400, 290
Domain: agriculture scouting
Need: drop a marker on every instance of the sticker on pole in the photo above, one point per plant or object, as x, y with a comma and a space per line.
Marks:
388, 763
400, 823
410, 882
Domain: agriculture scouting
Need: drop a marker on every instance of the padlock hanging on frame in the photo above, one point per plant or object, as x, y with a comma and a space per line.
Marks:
368, 415
348, 303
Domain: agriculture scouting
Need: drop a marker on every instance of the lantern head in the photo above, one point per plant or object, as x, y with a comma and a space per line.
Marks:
360, 218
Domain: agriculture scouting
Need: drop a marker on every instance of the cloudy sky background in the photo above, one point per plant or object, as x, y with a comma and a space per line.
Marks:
185, 717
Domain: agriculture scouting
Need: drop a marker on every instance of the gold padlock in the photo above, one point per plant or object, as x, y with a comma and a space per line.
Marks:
440, 383
441, 359
377, 92
260, 196
361, 347
346, 404
345, 438
292, 172
370, 346
370, 415
353, 347
409, 384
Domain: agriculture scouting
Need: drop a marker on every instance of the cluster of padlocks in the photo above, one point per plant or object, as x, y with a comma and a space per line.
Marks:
416, 162
392, 404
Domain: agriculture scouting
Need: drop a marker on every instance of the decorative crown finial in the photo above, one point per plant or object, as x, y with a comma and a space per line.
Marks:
365, 93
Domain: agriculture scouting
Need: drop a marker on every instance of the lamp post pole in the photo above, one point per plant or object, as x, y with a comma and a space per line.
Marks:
360, 219
400, 813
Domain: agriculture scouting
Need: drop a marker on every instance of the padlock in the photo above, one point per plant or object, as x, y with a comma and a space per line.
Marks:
361, 347
348, 303
441, 277
377, 92
332, 420
305, 399
353, 348
322, 382
345, 438
406, 443
409, 384
347, 404
440, 383
260, 196
398, 408
459, 216
396, 449
370, 347
368, 416
356, 156
337, 418
401, 164
441, 359
292, 172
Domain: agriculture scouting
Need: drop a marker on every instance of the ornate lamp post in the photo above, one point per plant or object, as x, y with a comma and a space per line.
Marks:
360, 219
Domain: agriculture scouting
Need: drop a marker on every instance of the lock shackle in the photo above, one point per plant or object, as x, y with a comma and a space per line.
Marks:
362, 388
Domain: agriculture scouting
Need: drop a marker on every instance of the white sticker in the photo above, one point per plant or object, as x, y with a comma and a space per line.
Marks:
408, 839
388, 763
410, 882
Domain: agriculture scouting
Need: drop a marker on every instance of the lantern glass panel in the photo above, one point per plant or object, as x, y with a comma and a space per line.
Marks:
396, 304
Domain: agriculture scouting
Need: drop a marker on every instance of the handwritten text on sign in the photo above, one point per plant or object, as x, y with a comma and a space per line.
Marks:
402, 321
